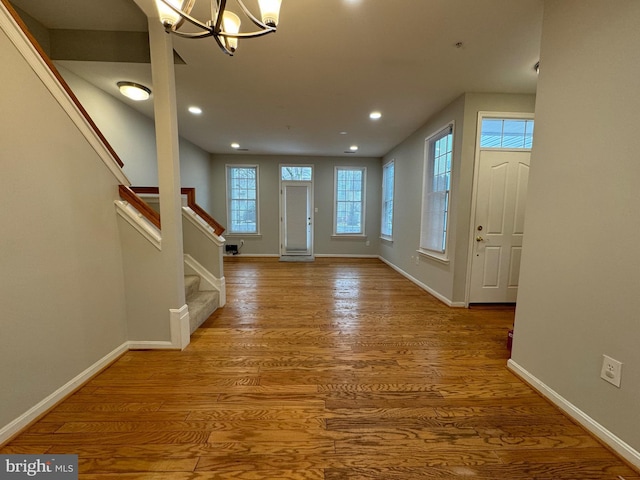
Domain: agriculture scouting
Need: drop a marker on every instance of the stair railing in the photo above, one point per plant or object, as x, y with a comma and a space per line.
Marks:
190, 193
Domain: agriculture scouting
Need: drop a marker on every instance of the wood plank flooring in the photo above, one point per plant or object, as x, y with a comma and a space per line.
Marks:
335, 370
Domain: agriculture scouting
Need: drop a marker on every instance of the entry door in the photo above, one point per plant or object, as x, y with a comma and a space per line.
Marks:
499, 226
296, 218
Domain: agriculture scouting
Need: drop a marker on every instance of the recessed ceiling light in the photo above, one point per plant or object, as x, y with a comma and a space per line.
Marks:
134, 91
353, 148
375, 115
235, 145
343, 133
195, 110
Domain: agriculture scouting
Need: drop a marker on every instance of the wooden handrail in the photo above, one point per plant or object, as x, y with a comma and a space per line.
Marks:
190, 193
130, 196
63, 83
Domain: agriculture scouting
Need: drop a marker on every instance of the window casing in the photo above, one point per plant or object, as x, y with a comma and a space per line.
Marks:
386, 223
436, 195
349, 205
242, 199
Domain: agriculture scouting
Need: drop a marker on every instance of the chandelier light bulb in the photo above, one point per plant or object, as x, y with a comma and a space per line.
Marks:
231, 24
168, 17
270, 10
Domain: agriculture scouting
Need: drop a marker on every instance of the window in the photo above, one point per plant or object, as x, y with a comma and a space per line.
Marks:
296, 173
242, 199
506, 133
349, 200
386, 225
436, 193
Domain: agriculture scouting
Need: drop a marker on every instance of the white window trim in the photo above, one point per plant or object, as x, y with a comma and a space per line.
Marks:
228, 206
442, 257
383, 236
363, 216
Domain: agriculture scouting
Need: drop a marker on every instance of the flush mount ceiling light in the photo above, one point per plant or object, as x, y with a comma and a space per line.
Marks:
223, 25
134, 91
353, 148
375, 115
195, 110
235, 145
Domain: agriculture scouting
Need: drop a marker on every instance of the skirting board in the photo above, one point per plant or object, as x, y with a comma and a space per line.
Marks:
425, 287
31, 415
605, 436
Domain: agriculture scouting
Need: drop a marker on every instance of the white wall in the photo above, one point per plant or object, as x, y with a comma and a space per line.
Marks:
268, 242
580, 278
61, 286
132, 135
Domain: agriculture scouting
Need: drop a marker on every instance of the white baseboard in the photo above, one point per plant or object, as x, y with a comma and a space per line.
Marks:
605, 436
345, 255
31, 415
424, 286
180, 328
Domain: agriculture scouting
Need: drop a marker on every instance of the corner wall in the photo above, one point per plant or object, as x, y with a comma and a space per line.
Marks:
448, 281
120, 123
580, 274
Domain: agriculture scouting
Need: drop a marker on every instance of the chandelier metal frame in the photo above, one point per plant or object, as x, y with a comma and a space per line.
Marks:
214, 26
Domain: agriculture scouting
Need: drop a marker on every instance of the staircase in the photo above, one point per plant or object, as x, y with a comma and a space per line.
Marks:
201, 303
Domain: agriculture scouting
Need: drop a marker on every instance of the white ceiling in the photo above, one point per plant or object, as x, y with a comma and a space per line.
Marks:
330, 64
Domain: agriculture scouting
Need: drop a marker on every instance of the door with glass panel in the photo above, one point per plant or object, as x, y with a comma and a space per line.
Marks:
501, 192
296, 210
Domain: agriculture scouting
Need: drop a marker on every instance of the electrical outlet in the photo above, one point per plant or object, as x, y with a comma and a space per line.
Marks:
611, 370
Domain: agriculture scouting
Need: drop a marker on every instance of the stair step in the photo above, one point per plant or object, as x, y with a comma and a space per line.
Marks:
201, 306
191, 286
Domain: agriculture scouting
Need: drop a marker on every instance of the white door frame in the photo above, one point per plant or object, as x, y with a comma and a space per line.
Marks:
474, 195
310, 183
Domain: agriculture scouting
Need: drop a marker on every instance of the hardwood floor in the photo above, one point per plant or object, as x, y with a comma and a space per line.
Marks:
337, 370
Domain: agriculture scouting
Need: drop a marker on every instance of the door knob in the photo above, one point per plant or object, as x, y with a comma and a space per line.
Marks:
479, 238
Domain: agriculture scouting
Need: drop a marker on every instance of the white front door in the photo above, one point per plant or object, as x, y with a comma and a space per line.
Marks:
297, 225
499, 225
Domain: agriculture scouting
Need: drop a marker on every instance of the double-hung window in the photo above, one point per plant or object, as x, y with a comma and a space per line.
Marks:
386, 224
436, 196
242, 199
349, 203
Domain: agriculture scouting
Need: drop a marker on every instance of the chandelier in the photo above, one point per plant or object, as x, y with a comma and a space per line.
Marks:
223, 25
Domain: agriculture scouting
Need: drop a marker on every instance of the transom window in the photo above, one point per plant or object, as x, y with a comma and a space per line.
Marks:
436, 193
296, 173
349, 200
506, 133
242, 199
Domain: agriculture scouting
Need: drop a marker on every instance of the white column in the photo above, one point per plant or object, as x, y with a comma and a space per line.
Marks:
166, 123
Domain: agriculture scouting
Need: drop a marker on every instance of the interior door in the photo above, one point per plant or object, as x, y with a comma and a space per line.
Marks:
499, 225
296, 218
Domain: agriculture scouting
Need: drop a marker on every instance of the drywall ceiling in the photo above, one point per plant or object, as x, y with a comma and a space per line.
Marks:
329, 65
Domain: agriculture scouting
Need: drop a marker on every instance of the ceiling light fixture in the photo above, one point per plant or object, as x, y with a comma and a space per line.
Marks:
134, 91
375, 115
195, 110
235, 145
353, 148
223, 26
